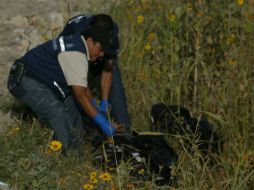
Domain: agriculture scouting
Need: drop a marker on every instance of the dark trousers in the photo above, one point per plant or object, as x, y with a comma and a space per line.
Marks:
62, 116
118, 99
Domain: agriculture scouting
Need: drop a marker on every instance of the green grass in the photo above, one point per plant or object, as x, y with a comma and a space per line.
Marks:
201, 57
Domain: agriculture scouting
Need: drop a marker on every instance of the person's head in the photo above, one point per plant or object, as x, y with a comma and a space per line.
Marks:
102, 20
98, 41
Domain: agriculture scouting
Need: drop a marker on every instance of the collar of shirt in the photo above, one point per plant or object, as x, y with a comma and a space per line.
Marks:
87, 51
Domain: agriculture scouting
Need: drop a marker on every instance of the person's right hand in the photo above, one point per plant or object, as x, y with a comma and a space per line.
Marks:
104, 124
118, 127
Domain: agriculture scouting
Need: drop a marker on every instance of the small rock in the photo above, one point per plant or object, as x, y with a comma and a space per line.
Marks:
23, 46
18, 20
2, 49
19, 31
35, 38
55, 20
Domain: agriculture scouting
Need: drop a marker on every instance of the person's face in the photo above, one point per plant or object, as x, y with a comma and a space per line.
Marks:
95, 49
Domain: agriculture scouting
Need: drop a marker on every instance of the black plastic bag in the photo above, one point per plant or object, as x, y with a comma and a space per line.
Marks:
148, 153
177, 120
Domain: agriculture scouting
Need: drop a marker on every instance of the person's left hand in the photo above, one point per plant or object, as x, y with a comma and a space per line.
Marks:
118, 127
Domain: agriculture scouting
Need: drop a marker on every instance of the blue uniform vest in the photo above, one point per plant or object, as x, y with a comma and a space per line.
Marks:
42, 62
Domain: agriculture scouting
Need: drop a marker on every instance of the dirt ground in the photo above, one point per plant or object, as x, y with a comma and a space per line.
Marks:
24, 22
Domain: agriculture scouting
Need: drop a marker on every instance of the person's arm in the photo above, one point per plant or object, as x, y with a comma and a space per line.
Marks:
75, 72
106, 78
106, 81
82, 96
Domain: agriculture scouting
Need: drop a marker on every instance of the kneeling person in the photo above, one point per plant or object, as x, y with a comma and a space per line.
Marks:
53, 76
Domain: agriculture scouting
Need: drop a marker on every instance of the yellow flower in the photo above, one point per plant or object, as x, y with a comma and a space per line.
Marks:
14, 130
93, 180
88, 186
231, 39
240, 2
55, 145
93, 175
105, 177
148, 47
140, 19
171, 18
232, 62
189, 7
151, 36
141, 171
142, 77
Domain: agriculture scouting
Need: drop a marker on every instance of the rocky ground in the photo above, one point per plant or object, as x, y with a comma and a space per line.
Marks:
24, 24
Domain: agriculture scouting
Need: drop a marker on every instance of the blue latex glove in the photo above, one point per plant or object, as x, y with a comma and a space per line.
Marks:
104, 105
104, 123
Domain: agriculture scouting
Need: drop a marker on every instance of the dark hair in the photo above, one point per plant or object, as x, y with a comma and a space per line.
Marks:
102, 20
101, 35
